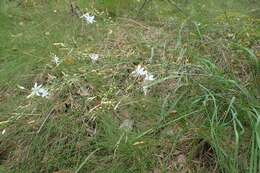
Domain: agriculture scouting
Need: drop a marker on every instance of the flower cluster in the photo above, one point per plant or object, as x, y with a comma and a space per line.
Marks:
147, 77
38, 90
141, 72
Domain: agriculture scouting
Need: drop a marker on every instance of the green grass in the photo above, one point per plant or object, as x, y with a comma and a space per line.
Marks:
201, 114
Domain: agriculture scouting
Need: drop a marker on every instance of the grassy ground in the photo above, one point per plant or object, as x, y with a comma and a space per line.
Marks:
201, 113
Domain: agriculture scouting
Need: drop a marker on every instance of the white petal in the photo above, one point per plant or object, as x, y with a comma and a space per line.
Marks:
21, 87
3, 132
149, 77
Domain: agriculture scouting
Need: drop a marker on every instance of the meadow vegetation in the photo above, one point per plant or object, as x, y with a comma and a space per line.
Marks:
200, 114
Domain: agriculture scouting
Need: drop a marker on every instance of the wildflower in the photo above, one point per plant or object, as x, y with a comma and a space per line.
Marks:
139, 72
89, 19
56, 60
146, 76
149, 77
94, 57
38, 90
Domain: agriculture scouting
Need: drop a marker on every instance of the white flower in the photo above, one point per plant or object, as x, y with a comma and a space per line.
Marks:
94, 57
43, 92
139, 71
89, 19
146, 76
3, 132
149, 77
38, 90
56, 60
